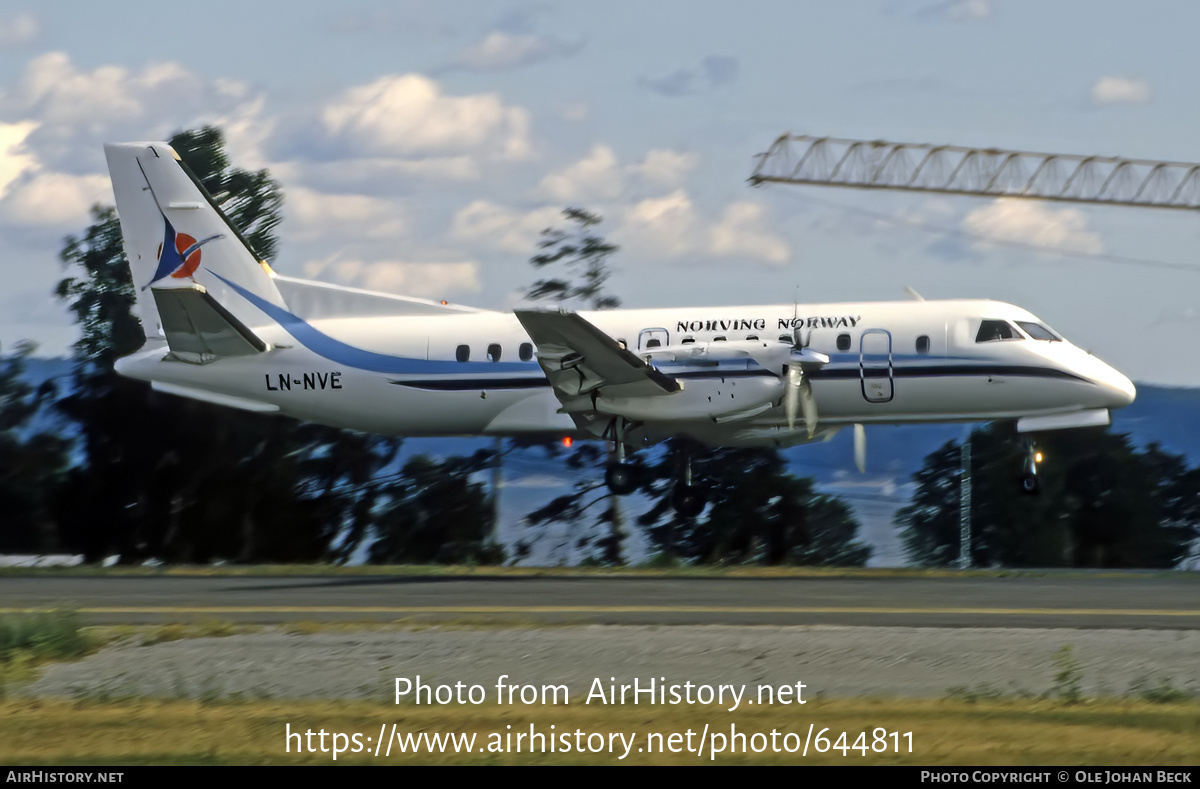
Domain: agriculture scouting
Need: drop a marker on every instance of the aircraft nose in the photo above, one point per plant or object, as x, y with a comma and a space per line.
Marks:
1121, 389
1126, 391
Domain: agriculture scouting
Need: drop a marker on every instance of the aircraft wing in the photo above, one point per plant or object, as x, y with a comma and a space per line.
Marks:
582, 361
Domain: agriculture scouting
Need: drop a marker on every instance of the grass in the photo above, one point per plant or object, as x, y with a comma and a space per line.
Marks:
1030, 732
29, 640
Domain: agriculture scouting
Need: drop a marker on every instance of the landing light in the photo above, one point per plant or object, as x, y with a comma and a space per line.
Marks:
567, 441
1037, 458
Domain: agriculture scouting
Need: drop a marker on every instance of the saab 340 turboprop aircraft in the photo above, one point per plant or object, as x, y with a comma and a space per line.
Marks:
222, 327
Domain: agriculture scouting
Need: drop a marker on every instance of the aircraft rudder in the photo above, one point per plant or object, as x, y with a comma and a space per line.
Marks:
175, 234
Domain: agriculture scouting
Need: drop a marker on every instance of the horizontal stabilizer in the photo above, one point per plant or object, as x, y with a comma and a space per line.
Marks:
319, 300
199, 329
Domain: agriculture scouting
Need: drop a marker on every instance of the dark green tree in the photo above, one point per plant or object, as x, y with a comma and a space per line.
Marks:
32, 462
583, 257
759, 514
1102, 504
435, 512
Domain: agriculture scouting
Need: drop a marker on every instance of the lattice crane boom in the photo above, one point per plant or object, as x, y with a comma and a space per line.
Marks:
984, 172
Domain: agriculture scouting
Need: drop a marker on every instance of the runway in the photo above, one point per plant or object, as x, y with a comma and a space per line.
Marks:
1057, 600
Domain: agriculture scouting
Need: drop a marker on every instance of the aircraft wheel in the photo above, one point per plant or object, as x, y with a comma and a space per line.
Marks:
688, 501
1029, 484
619, 478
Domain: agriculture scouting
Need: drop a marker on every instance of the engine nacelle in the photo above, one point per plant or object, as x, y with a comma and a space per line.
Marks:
720, 399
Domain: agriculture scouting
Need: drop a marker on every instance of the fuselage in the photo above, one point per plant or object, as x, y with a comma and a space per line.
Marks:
476, 373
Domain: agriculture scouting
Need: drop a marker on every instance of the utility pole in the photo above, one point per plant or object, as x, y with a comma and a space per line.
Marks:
964, 506
497, 483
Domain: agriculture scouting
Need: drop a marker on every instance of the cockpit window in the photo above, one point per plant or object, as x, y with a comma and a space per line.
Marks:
996, 330
1038, 332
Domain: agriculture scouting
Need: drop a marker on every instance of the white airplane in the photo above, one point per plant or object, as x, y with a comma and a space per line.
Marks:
224, 328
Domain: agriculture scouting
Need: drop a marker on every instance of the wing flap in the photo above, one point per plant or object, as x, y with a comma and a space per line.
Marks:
199, 329
580, 360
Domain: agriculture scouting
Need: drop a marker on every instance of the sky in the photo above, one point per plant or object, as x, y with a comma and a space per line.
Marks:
421, 146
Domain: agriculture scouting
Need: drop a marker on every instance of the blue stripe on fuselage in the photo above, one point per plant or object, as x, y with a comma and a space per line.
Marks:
337, 351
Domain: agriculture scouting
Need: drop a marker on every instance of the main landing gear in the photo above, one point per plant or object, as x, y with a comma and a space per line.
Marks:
1029, 478
687, 499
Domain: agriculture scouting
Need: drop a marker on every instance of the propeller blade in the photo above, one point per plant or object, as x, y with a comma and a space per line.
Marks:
809, 404
860, 448
791, 396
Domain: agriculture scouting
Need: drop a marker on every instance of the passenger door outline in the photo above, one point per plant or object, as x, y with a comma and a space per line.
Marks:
876, 374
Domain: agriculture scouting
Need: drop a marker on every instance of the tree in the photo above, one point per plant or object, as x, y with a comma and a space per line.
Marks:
582, 255
1102, 504
32, 462
181, 480
759, 514
436, 513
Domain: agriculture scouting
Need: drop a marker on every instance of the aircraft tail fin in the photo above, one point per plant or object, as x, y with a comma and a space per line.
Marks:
176, 237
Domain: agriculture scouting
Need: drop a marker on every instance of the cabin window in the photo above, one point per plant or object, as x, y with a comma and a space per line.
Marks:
463, 353
525, 352
923, 344
719, 338
995, 330
494, 352
751, 336
1037, 331
843, 342
688, 340
787, 338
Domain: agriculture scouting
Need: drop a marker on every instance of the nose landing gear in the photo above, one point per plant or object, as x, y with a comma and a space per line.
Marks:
688, 500
1029, 478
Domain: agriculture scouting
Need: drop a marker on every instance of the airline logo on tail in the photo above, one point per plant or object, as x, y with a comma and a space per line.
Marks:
178, 254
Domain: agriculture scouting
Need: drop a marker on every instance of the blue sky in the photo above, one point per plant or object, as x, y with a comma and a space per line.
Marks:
422, 146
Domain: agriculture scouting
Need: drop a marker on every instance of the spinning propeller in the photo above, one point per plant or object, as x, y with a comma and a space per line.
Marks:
798, 395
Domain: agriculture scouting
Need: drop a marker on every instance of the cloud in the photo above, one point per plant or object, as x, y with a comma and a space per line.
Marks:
1121, 90
408, 116
53, 199
743, 232
401, 278
1027, 222
715, 71
963, 10
496, 227
596, 176
670, 227
662, 227
18, 29
499, 51
954, 10
313, 215
75, 109
663, 167
600, 176
14, 158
